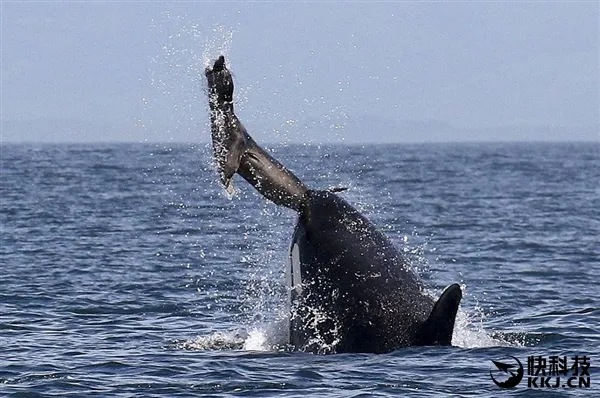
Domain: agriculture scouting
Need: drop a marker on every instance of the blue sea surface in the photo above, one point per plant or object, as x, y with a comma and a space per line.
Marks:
126, 270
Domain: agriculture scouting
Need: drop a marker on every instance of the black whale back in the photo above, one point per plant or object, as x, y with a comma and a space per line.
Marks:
367, 297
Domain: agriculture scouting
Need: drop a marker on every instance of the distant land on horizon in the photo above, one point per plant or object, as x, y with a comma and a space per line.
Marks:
361, 130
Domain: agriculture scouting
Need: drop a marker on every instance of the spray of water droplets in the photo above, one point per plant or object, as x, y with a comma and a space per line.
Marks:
176, 84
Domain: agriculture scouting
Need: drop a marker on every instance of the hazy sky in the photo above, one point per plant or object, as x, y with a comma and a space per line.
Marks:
359, 71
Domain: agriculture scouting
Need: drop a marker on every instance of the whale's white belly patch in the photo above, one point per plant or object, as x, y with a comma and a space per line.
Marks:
294, 274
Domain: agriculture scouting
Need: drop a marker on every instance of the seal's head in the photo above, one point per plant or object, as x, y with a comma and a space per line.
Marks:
220, 82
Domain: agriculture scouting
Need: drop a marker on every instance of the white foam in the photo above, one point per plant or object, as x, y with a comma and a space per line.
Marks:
469, 333
257, 340
220, 340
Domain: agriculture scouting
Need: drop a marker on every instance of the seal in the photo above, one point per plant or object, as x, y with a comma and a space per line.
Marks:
350, 289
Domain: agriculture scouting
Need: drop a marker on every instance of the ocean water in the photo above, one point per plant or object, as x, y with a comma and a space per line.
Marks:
127, 271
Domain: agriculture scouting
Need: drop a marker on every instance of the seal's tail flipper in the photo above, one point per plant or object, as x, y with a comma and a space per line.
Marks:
236, 152
439, 326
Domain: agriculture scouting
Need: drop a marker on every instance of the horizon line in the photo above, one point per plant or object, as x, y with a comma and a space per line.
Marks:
311, 143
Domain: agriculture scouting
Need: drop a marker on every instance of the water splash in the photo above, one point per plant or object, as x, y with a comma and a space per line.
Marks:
470, 333
229, 340
176, 77
271, 336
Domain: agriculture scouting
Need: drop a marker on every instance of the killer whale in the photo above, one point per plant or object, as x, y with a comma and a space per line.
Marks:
350, 289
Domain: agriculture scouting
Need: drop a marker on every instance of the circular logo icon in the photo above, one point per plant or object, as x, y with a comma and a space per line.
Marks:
513, 371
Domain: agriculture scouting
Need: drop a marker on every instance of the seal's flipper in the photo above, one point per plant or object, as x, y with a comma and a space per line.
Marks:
438, 328
236, 152
228, 133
